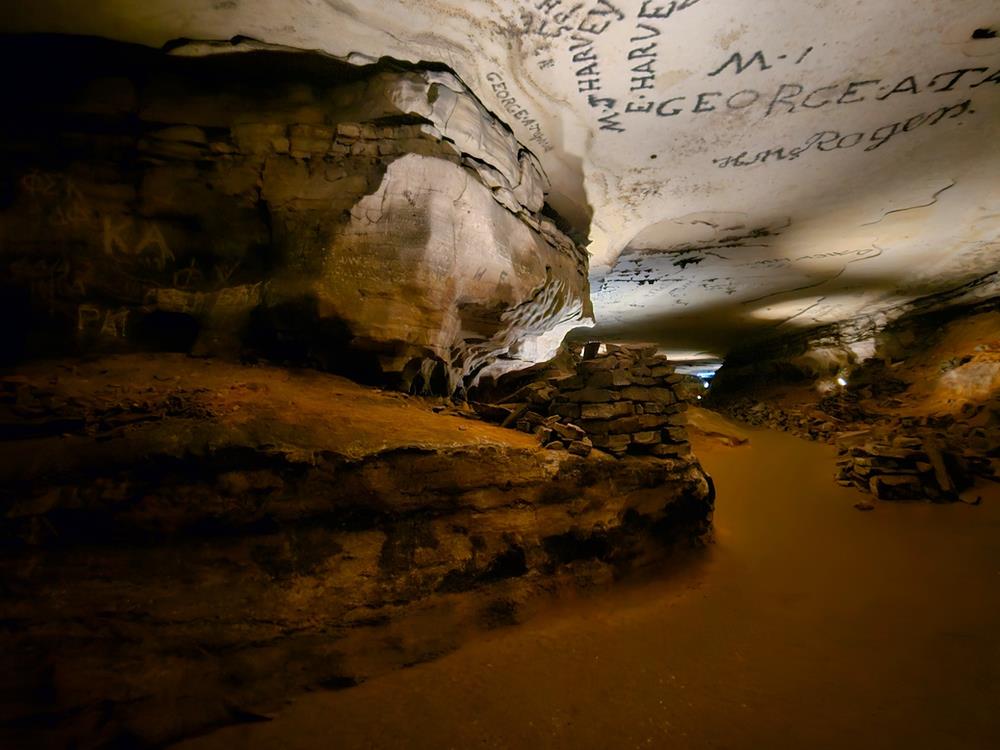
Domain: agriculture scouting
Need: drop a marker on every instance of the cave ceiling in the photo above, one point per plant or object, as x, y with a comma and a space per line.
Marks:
736, 168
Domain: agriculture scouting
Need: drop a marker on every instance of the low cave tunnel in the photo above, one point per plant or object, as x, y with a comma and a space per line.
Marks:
547, 374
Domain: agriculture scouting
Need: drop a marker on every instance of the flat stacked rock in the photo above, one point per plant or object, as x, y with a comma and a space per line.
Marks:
918, 467
812, 423
624, 401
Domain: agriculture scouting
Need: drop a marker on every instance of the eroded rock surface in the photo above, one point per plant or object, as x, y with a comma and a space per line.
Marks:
914, 405
626, 400
185, 543
375, 221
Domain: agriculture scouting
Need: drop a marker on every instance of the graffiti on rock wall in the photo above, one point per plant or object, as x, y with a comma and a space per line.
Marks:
70, 208
613, 51
580, 26
136, 238
91, 319
790, 98
131, 258
50, 279
832, 140
520, 114
65, 205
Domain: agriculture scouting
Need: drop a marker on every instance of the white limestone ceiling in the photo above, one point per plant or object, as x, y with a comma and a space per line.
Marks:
740, 166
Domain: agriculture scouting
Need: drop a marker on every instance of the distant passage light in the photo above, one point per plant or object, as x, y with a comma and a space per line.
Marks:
841, 381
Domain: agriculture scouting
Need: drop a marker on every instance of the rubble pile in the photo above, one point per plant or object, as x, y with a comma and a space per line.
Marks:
624, 401
908, 467
892, 457
812, 423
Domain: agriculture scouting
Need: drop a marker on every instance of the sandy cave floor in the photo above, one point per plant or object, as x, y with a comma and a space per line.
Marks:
808, 624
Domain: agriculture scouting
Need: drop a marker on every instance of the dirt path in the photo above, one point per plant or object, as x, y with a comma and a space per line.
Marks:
807, 625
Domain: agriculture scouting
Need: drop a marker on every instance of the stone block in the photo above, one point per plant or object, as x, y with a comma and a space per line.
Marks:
569, 431
612, 443
534, 393
592, 395
675, 435
644, 379
608, 378
362, 148
643, 393
569, 411
596, 365
635, 424
309, 133
581, 447
670, 451
606, 411
651, 437
571, 383
896, 487
349, 130
544, 434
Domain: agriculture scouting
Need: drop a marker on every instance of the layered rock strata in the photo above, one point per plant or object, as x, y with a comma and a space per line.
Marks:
627, 400
918, 419
917, 467
187, 542
823, 351
377, 221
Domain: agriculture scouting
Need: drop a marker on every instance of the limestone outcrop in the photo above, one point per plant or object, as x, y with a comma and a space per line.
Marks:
376, 221
185, 543
917, 418
824, 351
735, 167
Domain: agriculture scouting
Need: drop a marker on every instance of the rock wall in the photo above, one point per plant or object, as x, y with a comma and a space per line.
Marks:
375, 221
916, 466
186, 543
622, 401
824, 351
917, 418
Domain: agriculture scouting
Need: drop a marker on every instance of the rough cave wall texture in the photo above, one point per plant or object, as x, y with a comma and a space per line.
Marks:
375, 221
737, 167
825, 351
186, 543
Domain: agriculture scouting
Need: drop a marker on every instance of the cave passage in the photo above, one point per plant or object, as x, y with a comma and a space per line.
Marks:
506, 374
806, 624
